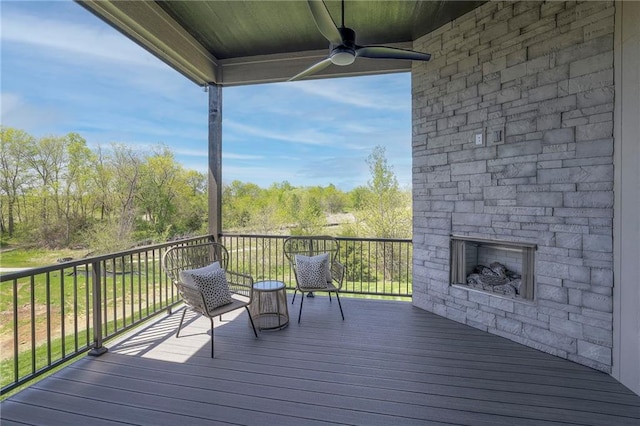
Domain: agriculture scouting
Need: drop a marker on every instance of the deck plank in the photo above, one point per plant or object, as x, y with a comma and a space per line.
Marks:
387, 363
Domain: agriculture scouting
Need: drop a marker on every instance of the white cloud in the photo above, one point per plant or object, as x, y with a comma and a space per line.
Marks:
186, 152
10, 102
198, 166
233, 156
72, 40
261, 176
358, 92
306, 137
18, 112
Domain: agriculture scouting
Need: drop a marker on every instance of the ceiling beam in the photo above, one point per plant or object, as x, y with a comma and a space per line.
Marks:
152, 28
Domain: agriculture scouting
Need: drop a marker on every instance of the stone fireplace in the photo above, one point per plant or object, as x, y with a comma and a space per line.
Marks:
513, 143
499, 267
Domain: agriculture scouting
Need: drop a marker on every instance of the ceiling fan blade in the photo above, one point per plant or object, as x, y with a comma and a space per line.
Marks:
324, 21
384, 52
312, 69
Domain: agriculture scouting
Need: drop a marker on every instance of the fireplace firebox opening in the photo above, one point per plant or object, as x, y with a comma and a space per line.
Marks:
494, 266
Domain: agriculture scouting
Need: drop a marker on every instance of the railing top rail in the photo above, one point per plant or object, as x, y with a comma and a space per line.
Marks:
82, 262
382, 240
379, 240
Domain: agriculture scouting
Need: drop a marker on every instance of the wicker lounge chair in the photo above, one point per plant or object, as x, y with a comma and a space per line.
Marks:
181, 261
306, 253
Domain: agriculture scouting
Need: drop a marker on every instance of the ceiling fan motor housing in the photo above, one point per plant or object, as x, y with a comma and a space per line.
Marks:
345, 53
342, 55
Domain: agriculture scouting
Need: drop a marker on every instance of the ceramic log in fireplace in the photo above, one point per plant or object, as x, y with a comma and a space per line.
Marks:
494, 266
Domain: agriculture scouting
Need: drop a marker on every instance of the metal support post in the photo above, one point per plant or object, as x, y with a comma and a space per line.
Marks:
96, 282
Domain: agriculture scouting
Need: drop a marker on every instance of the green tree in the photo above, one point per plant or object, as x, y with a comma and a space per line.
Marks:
357, 197
238, 204
127, 170
197, 182
159, 190
102, 182
46, 157
61, 167
333, 200
306, 212
192, 213
15, 174
385, 210
109, 198
77, 183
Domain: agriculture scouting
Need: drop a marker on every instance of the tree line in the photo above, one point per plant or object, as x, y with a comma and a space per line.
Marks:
56, 192
378, 209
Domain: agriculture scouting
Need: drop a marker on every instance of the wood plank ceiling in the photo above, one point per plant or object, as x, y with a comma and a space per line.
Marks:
246, 42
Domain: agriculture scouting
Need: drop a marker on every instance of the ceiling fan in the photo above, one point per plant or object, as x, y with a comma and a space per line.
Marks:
343, 49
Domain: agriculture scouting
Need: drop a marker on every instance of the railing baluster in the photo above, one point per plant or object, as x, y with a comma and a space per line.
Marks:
153, 267
48, 314
87, 319
113, 298
124, 292
75, 309
161, 287
132, 295
139, 286
33, 325
103, 274
146, 281
62, 313
16, 360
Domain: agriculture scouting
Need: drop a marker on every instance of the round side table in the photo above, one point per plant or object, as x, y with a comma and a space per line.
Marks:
269, 307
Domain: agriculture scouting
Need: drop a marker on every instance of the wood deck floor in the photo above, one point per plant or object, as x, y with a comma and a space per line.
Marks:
387, 363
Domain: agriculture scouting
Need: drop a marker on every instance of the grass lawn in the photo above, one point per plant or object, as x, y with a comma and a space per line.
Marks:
30, 258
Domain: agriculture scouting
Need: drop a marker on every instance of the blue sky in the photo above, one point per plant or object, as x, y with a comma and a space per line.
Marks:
64, 70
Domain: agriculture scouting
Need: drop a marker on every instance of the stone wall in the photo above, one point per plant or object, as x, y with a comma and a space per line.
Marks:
535, 80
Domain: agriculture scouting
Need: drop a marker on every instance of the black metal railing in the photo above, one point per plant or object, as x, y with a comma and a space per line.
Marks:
374, 266
52, 314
